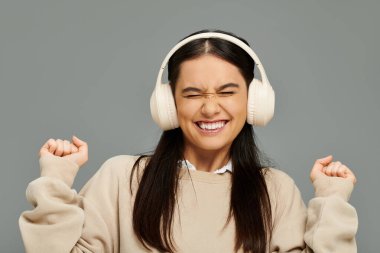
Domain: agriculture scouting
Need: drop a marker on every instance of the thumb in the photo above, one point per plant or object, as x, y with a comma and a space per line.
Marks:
44, 152
78, 142
322, 162
317, 169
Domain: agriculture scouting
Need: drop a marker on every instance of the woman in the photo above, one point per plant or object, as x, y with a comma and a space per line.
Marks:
204, 189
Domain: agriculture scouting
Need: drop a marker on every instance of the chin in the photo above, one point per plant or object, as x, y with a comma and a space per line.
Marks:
211, 146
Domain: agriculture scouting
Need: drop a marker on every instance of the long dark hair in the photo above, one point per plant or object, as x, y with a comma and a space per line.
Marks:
156, 195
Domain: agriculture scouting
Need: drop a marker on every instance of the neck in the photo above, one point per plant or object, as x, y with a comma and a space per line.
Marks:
206, 160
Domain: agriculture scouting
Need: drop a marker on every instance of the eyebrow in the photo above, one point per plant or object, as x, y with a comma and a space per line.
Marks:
224, 86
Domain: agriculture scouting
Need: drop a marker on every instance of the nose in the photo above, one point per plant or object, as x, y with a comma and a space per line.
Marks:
210, 105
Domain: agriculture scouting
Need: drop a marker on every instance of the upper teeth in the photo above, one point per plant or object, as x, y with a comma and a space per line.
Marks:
212, 126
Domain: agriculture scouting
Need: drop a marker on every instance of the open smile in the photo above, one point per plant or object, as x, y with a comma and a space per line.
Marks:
211, 128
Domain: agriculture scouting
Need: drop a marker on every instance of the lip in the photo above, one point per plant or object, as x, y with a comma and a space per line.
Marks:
208, 132
212, 121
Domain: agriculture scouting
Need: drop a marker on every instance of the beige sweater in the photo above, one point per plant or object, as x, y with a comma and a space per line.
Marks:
98, 218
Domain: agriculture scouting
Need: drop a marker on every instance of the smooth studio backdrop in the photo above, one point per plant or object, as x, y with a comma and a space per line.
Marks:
88, 68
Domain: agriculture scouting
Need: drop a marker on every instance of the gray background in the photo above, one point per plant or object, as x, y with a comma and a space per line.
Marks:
89, 67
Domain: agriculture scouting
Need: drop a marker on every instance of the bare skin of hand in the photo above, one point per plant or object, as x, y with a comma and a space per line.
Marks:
76, 152
326, 167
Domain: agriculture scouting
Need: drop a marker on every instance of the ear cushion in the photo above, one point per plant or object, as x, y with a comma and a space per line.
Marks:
261, 101
162, 107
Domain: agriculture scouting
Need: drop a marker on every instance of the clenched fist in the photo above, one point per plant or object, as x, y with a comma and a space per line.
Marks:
326, 167
76, 152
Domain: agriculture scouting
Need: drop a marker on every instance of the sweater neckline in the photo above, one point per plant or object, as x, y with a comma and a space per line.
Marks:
203, 176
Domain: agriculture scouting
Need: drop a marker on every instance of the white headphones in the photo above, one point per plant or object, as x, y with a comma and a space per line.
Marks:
260, 106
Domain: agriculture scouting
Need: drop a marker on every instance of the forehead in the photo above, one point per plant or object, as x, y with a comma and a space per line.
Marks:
208, 71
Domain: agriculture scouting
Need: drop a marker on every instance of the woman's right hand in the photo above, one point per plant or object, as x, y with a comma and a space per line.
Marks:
76, 152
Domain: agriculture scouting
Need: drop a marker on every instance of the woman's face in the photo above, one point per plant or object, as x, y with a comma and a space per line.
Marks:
210, 121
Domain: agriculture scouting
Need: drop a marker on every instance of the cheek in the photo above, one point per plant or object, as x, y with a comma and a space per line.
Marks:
237, 108
185, 110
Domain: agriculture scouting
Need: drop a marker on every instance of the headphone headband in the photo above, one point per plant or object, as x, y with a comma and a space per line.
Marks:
227, 37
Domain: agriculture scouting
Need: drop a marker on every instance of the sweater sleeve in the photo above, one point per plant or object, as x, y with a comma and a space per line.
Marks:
66, 221
328, 224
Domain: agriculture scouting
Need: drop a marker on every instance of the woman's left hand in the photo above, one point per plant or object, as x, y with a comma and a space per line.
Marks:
325, 167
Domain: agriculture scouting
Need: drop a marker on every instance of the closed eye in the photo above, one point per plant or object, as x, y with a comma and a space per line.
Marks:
193, 96
227, 93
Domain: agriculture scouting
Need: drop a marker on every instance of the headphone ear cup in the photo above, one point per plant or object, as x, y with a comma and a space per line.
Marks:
261, 102
162, 107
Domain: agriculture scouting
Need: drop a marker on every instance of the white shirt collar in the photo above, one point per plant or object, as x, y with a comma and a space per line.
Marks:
227, 167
